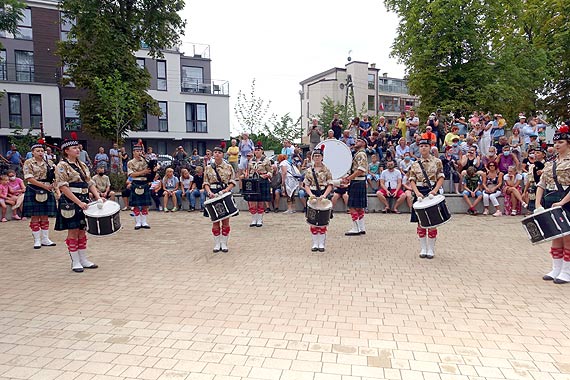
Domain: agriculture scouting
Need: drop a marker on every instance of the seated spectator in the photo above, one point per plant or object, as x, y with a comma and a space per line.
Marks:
406, 163
103, 184
394, 136
502, 141
506, 160
391, 187
516, 142
472, 189
126, 194
450, 136
492, 184
512, 192
429, 135
467, 161
534, 143
197, 189
347, 139
275, 187
156, 192
4, 198
373, 172
450, 168
401, 149
185, 186
407, 190
307, 162
16, 190
415, 147
374, 145
195, 159
491, 156
170, 185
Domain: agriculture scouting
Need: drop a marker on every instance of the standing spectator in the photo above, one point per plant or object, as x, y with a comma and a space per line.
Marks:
401, 124
14, 158
287, 150
315, 132
526, 129
245, 146
472, 184
103, 185
442, 129
233, 155
499, 124
365, 127
124, 156
179, 154
170, 187
391, 187
101, 159
516, 142
433, 123
412, 124
463, 126
336, 126
486, 139
289, 182
83, 156
115, 159
185, 186
354, 128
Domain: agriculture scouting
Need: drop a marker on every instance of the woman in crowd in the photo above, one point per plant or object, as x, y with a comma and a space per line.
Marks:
197, 190
156, 192
258, 167
140, 193
39, 201
219, 177
276, 183
289, 183
554, 197
73, 179
492, 184
512, 192
101, 159
125, 194
170, 187
506, 159
185, 186
16, 190
401, 149
195, 159
318, 184
516, 142
485, 138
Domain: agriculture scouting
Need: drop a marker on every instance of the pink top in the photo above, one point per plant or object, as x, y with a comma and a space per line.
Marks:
16, 187
3, 191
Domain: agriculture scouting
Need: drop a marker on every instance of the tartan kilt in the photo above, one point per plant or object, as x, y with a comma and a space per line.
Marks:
264, 192
33, 208
143, 200
357, 194
425, 191
75, 222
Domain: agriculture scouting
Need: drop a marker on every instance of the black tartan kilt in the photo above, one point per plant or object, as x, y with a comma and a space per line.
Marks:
136, 200
77, 221
33, 208
425, 191
357, 194
264, 193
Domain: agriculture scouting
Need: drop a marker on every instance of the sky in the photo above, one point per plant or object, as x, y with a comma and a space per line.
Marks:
280, 43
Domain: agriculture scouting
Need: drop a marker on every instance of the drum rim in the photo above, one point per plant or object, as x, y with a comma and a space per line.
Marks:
529, 217
225, 217
97, 216
339, 143
437, 225
98, 236
217, 197
427, 200
549, 239
329, 206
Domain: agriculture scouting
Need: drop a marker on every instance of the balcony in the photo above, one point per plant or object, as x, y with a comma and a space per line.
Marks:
198, 86
11, 72
393, 88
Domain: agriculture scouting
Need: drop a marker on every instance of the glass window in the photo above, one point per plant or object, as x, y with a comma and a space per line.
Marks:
3, 65
192, 78
24, 66
161, 75
144, 122
196, 118
15, 110
163, 118
71, 115
140, 63
24, 31
371, 82
66, 23
161, 147
35, 111
371, 102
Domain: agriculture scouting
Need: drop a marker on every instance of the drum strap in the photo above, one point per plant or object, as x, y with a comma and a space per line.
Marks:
558, 185
222, 184
78, 169
316, 180
427, 182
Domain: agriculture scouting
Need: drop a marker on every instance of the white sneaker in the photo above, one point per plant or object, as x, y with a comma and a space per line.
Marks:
498, 213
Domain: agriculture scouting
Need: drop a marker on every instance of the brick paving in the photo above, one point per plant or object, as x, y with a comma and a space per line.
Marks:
162, 306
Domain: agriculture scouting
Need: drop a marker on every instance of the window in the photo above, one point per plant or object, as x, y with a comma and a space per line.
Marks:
71, 115
196, 118
371, 102
161, 75
140, 63
66, 23
192, 78
65, 77
163, 118
144, 122
371, 82
35, 111
161, 147
24, 66
24, 31
15, 110
3, 65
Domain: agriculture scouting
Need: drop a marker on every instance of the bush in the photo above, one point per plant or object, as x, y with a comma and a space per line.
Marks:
118, 181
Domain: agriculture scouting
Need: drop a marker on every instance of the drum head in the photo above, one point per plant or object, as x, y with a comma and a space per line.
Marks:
427, 202
109, 208
323, 204
337, 157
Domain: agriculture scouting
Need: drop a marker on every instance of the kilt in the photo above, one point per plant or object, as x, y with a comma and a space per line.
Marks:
31, 207
357, 194
142, 200
552, 197
425, 191
264, 193
77, 221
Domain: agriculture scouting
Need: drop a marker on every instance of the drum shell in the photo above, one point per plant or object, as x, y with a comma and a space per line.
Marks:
220, 208
103, 225
433, 212
318, 217
547, 225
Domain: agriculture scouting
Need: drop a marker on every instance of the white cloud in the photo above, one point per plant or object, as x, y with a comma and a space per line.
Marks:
281, 43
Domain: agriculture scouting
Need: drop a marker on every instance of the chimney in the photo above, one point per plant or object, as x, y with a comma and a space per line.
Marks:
373, 65
385, 75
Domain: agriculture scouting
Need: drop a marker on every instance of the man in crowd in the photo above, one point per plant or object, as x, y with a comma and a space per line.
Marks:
14, 158
412, 124
391, 187
336, 126
103, 185
347, 139
84, 156
288, 150
315, 132
115, 159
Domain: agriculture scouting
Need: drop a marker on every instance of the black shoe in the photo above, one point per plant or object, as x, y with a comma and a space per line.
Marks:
321, 249
423, 255
267, 210
314, 249
558, 281
253, 225
137, 227
362, 232
276, 210
332, 214
225, 250
94, 266
78, 270
259, 225
547, 278
147, 227
305, 209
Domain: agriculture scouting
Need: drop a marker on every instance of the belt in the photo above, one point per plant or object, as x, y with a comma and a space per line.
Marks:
139, 179
215, 186
359, 178
79, 190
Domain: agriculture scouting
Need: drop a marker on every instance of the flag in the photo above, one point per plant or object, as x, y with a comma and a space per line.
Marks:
381, 107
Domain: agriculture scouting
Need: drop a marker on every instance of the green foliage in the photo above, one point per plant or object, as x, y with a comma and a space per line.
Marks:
251, 111
328, 109
103, 39
23, 140
268, 140
11, 13
284, 129
118, 181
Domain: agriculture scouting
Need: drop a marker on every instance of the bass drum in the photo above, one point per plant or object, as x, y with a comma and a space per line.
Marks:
103, 218
337, 157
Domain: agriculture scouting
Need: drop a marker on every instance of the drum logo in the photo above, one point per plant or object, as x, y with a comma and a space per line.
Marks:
311, 213
220, 209
533, 230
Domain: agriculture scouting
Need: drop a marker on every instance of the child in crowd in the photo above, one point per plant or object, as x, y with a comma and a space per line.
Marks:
16, 189
156, 191
472, 189
373, 172
4, 198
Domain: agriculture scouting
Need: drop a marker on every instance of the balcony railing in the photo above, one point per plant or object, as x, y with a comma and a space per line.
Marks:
213, 87
12, 72
195, 50
398, 89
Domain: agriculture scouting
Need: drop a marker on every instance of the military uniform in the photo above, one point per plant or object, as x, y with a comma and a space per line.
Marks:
77, 177
140, 197
551, 192
317, 179
256, 168
38, 201
357, 200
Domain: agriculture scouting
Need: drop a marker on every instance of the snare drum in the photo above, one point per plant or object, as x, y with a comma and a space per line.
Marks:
432, 212
103, 218
337, 157
221, 207
547, 225
318, 212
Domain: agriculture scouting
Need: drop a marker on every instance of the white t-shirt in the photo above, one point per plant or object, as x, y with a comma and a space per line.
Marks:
507, 177
186, 182
391, 178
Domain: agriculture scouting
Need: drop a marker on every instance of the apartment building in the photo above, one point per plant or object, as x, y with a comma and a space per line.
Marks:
373, 93
195, 107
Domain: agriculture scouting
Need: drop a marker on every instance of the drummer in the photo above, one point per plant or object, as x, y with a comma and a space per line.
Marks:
140, 198
557, 194
422, 187
74, 181
39, 201
259, 167
357, 201
318, 184
219, 177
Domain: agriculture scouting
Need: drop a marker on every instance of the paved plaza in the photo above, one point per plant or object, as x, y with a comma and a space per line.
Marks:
163, 306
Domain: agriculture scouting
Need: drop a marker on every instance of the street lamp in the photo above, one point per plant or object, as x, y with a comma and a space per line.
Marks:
301, 96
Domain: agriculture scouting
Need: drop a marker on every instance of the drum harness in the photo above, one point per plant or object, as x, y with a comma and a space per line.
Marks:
316, 180
559, 187
426, 178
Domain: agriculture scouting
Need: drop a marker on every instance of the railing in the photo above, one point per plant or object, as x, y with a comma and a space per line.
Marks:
398, 89
213, 86
13, 72
195, 50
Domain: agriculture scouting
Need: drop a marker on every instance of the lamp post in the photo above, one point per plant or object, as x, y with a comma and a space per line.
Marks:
301, 96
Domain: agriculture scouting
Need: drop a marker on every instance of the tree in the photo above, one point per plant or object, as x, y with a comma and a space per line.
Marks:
328, 109
11, 13
251, 111
284, 129
23, 141
103, 39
